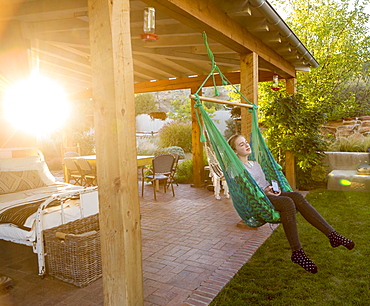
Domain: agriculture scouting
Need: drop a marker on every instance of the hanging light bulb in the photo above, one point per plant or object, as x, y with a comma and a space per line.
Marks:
149, 25
275, 83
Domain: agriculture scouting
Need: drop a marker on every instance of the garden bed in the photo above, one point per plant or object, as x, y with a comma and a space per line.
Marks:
342, 168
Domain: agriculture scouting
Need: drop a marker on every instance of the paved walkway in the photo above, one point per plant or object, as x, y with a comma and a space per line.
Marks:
191, 249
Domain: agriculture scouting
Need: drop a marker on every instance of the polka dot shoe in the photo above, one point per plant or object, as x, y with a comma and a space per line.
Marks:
337, 240
299, 257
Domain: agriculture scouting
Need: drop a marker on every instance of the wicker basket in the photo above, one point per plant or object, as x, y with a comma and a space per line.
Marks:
73, 251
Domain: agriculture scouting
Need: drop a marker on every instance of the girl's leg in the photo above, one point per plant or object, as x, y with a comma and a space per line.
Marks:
309, 212
287, 209
314, 218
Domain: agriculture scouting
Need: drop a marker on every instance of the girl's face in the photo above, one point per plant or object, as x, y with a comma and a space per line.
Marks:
242, 147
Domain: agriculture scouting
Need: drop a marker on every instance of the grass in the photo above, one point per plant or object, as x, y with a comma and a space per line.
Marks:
343, 277
353, 143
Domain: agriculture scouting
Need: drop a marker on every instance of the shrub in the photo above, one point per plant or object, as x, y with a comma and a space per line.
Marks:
173, 149
147, 145
86, 141
184, 172
293, 124
145, 103
177, 134
353, 143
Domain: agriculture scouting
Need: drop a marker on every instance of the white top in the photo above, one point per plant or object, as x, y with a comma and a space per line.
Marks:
256, 172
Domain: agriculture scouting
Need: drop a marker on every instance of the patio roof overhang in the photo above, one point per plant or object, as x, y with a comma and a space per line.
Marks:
56, 36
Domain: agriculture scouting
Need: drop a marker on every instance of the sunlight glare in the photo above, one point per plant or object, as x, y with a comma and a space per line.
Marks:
36, 105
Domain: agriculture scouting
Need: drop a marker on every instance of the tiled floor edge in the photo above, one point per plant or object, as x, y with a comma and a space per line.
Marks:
209, 288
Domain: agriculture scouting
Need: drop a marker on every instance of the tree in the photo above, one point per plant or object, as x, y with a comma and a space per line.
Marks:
336, 33
145, 103
182, 109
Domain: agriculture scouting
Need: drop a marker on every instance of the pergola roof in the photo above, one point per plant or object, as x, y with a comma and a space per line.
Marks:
57, 33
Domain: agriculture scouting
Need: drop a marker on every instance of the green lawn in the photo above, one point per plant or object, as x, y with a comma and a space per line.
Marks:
343, 276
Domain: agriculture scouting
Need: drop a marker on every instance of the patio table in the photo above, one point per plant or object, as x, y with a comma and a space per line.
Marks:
142, 160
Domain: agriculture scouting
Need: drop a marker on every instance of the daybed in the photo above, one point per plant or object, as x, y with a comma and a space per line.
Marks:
31, 200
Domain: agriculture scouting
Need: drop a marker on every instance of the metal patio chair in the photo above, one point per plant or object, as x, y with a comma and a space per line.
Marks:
161, 172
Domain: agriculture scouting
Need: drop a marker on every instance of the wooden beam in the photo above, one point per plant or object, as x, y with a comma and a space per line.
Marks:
155, 65
14, 61
197, 147
204, 15
113, 94
290, 172
60, 55
60, 25
249, 88
180, 83
189, 82
51, 9
222, 101
182, 53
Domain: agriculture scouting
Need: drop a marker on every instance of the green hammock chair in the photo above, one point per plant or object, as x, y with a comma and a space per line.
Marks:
248, 198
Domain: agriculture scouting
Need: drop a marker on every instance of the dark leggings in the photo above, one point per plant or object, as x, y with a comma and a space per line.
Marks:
290, 202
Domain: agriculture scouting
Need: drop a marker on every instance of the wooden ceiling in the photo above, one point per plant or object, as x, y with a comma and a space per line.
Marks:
57, 33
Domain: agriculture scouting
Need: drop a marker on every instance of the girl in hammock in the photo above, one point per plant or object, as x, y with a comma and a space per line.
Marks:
287, 203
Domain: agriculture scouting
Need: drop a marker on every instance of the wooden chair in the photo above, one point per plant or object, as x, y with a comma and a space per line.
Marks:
74, 171
88, 172
75, 149
216, 174
71, 154
162, 169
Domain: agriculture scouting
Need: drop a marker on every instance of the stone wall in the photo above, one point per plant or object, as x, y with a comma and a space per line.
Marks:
348, 126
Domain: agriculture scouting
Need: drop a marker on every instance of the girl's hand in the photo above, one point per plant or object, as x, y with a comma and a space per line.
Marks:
269, 192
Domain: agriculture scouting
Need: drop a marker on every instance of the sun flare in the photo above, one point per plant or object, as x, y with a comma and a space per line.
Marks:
36, 105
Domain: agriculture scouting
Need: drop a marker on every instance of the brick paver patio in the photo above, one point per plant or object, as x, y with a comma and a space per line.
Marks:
191, 249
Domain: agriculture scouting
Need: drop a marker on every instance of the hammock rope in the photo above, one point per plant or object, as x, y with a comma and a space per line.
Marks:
249, 200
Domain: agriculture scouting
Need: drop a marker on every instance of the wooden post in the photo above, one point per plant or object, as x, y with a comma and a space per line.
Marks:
197, 148
290, 172
113, 94
249, 88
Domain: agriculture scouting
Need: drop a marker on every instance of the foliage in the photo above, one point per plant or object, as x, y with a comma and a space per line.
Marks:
147, 145
353, 143
176, 133
292, 125
182, 109
145, 103
184, 172
336, 33
82, 118
173, 149
270, 278
51, 146
232, 127
211, 105
86, 141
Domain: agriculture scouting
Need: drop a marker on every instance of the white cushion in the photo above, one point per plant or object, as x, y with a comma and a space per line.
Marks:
28, 163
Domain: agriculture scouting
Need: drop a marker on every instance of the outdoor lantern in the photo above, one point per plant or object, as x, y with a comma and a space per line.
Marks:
149, 25
275, 85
